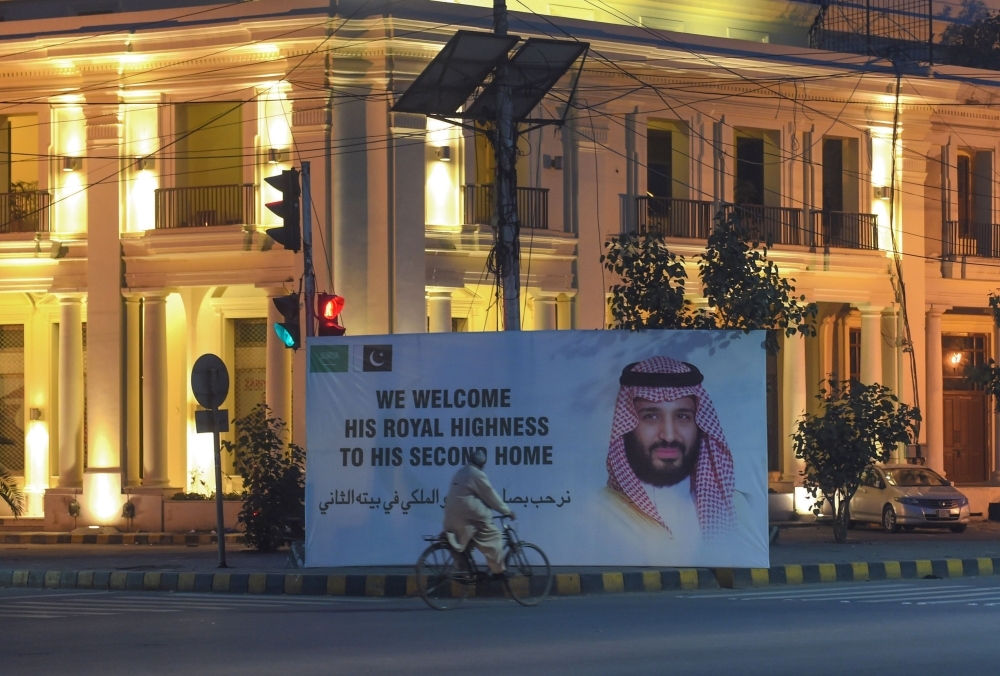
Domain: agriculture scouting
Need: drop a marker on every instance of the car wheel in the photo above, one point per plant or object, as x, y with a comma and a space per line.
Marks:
889, 520
958, 528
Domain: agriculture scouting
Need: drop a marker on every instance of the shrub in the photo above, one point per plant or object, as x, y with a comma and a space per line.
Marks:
273, 472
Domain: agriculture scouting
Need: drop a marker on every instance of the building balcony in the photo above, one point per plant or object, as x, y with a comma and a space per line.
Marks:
693, 219
204, 206
24, 211
532, 206
971, 239
844, 229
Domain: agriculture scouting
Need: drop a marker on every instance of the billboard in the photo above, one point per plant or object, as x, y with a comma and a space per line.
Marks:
613, 447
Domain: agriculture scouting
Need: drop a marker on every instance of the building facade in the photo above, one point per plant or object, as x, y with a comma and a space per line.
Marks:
135, 137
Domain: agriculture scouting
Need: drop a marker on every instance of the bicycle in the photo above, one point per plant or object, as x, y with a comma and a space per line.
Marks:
447, 575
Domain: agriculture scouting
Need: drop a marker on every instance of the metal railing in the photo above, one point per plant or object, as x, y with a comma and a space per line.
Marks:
24, 211
694, 219
670, 217
203, 206
844, 229
532, 206
971, 239
778, 225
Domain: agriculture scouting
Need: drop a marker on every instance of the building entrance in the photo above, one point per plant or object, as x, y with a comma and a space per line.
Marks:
966, 410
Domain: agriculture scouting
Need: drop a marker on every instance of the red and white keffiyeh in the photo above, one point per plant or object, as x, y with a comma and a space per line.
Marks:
712, 481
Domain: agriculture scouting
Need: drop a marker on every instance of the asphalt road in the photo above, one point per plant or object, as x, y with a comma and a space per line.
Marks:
922, 626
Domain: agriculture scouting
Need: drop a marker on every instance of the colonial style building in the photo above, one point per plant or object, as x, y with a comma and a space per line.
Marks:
135, 137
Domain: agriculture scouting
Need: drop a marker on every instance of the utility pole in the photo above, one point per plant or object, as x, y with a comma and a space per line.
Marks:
307, 251
507, 250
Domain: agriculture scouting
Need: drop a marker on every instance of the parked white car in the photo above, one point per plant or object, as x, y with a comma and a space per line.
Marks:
909, 496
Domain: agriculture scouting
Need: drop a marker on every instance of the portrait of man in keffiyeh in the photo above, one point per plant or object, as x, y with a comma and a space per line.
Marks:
667, 448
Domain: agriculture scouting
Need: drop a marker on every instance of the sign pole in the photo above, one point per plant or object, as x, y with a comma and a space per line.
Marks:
220, 516
210, 386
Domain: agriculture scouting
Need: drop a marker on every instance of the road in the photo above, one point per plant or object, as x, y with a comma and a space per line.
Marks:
920, 626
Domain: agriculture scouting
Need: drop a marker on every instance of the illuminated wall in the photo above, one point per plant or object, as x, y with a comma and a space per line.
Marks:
69, 142
881, 182
141, 171
443, 193
274, 143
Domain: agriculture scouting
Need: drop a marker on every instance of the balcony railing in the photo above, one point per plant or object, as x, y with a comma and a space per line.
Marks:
971, 239
532, 206
672, 217
202, 206
844, 229
694, 219
24, 211
778, 225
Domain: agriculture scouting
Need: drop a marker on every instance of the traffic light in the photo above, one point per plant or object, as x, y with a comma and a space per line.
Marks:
289, 235
329, 312
288, 330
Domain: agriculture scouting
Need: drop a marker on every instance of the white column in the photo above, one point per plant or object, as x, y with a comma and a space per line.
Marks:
826, 329
564, 314
70, 392
545, 313
278, 370
439, 311
154, 391
934, 415
408, 160
871, 344
133, 385
794, 400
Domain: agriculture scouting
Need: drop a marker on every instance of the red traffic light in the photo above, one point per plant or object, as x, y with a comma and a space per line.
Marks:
329, 306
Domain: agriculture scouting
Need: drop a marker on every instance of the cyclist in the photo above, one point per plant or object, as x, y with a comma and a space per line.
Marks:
467, 514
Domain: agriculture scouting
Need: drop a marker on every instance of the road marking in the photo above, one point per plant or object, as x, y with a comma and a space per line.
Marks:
82, 604
905, 595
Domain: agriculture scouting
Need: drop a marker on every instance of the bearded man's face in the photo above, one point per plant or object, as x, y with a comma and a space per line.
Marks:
663, 448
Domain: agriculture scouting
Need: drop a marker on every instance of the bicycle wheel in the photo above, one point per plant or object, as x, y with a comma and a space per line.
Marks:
440, 582
529, 575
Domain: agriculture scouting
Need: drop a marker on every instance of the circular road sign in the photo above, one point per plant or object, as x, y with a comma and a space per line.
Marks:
210, 381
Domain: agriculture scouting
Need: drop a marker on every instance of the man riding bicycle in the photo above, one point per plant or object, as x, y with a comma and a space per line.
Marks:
468, 515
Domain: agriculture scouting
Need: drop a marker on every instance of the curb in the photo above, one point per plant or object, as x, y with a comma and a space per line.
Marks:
565, 584
117, 539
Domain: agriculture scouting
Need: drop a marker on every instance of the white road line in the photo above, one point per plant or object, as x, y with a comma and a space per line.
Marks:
929, 593
822, 591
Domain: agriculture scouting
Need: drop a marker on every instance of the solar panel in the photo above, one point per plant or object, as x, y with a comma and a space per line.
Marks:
532, 72
454, 74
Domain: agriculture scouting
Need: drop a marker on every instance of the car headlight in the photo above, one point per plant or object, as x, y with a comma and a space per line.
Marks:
909, 501
963, 501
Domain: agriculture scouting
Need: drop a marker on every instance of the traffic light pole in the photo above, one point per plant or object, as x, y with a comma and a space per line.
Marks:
507, 262
307, 258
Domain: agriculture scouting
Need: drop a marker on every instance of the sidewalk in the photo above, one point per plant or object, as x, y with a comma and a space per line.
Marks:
804, 553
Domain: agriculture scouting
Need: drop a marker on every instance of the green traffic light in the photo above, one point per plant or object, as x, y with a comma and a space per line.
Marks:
285, 335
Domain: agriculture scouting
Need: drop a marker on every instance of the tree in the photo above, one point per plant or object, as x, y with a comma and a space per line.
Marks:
10, 493
651, 292
857, 426
744, 289
273, 472
975, 44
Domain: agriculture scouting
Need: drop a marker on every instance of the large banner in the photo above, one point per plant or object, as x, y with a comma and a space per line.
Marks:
612, 447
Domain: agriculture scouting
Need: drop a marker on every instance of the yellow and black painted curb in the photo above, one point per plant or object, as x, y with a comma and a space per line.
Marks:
117, 539
565, 584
